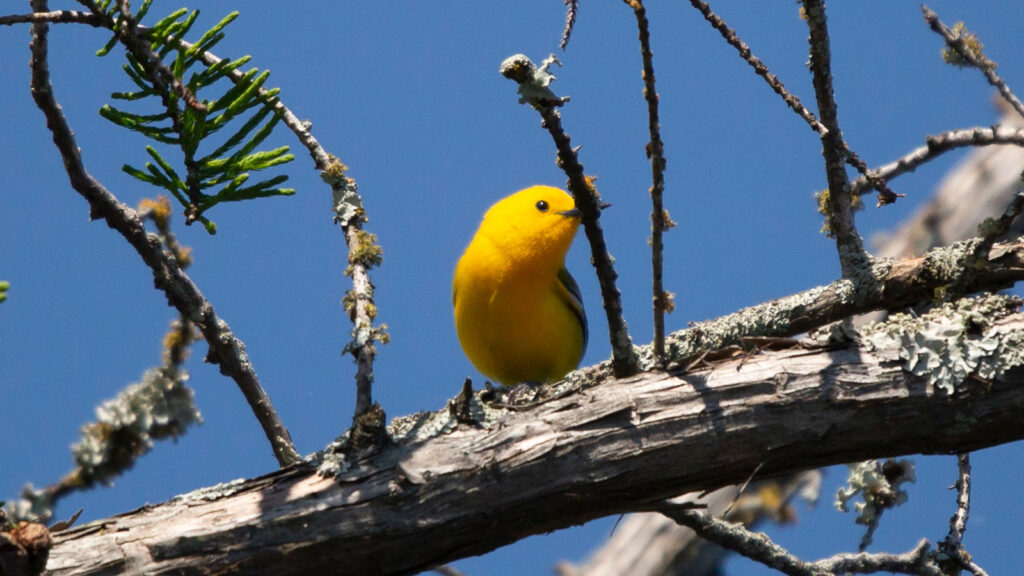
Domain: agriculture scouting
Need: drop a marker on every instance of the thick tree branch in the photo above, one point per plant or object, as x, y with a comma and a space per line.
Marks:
433, 497
225, 349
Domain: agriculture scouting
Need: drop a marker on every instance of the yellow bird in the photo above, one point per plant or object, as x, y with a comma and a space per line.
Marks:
518, 311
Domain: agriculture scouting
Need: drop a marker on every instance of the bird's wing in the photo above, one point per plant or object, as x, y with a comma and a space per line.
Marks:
574, 299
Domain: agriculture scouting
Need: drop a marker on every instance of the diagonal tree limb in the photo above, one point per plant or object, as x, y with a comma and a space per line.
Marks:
226, 350
433, 497
350, 214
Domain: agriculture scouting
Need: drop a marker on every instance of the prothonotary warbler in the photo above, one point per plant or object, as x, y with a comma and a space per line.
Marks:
518, 311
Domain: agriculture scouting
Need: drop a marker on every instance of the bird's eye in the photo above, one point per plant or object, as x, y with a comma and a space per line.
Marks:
542, 205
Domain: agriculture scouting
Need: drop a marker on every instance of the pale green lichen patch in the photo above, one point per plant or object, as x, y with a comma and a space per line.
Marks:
533, 81
879, 485
952, 341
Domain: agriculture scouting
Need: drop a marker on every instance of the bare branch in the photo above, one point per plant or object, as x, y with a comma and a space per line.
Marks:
226, 350
973, 57
54, 17
886, 196
660, 220
952, 546
533, 85
940, 144
838, 207
758, 65
570, 21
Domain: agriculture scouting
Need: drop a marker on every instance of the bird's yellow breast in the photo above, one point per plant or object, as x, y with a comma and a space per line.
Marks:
517, 330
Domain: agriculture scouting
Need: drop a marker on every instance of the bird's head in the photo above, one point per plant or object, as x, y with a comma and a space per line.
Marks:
538, 222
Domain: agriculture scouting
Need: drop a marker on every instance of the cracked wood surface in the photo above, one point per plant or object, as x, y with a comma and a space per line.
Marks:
622, 445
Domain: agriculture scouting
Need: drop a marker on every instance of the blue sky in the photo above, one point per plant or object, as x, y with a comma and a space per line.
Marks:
410, 98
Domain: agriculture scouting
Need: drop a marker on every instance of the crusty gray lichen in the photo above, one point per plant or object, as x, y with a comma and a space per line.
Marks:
211, 493
952, 341
160, 406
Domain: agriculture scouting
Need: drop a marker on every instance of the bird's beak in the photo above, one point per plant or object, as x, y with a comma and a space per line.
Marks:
575, 212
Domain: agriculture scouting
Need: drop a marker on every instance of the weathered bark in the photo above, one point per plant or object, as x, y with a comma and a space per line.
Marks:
620, 445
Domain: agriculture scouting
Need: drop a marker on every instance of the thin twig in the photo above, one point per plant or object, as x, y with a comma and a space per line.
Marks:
758, 547
839, 206
958, 522
952, 546
886, 196
938, 145
570, 21
759, 66
656, 152
533, 85
226, 350
959, 44
55, 17
158, 72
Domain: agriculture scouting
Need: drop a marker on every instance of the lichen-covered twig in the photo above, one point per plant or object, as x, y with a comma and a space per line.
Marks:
158, 407
839, 203
533, 87
363, 251
968, 49
760, 548
900, 283
226, 350
660, 221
